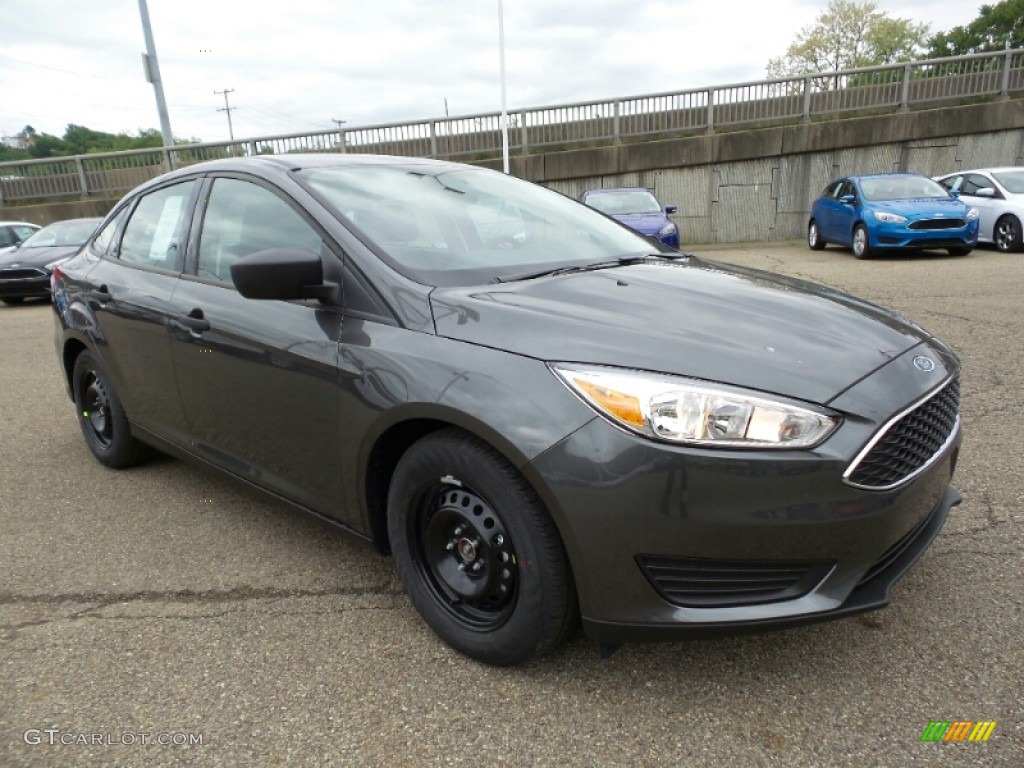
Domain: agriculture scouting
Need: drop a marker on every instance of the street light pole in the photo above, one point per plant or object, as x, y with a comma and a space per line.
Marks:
504, 114
153, 75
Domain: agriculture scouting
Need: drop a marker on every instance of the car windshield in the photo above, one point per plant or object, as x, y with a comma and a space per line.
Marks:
62, 233
621, 202
901, 188
469, 226
1012, 180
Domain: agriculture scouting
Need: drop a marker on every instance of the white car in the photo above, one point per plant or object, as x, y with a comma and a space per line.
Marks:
998, 194
13, 232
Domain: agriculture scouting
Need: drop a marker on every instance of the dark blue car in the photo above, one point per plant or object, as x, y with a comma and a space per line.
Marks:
886, 211
638, 209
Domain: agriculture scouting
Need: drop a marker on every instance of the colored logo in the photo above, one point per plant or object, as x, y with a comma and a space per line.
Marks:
958, 730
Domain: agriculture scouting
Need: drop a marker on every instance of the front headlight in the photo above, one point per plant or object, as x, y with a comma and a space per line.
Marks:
890, 218
49, 267
668, 229
972, 214
696, 413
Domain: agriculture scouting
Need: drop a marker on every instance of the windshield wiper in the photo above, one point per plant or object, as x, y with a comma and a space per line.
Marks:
622, 261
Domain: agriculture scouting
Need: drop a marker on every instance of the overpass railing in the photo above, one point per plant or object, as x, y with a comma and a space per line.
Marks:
592, 123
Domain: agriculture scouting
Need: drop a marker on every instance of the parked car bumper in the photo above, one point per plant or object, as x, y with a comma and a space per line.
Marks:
24, 283
884, 235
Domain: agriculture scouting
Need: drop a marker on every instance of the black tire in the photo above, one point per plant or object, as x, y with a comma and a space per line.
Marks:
1007, 235
12, 300
814, 239
861, 245
477, 551
961, 251
101, 417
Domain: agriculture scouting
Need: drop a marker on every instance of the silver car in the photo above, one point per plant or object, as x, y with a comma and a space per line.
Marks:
998, 194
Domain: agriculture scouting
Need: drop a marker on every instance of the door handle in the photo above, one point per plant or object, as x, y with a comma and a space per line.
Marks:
194, 321
101, 294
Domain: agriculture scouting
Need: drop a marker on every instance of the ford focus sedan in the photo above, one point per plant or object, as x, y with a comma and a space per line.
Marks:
886, 212
571, 425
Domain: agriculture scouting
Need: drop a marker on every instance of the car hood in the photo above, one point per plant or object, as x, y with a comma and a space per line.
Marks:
941, 206
700, 319
645, 223
36, 257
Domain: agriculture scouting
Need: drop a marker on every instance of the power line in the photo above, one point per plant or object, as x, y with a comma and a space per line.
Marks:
227, 108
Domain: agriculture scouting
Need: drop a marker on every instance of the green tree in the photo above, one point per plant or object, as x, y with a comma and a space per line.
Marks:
997, 27
847, 35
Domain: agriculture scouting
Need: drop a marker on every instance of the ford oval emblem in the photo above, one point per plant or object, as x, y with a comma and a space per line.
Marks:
923, 363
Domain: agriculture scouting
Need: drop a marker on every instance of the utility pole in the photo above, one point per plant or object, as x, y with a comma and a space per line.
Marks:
152, 69
338, 122
504, 113
227, 108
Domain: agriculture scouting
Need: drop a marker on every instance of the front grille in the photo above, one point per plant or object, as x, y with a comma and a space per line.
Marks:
937, 224
21, 274
699, 583
904, 447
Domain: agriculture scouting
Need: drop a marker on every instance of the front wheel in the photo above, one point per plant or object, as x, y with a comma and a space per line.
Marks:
814, 240
477, 551
101, 417
1007, 234
861, 245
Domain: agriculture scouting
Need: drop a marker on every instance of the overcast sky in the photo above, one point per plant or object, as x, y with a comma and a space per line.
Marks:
297, 65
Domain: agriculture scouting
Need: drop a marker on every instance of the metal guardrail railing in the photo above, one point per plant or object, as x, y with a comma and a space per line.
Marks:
593, 123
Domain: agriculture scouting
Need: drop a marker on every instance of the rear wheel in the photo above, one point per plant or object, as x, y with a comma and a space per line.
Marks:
861, 246
814, 240
101, 417
477, 551
1007, 234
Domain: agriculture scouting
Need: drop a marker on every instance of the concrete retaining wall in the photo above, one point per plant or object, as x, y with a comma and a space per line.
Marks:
753, 184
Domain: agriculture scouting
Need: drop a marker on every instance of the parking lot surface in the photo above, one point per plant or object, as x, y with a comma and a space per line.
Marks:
147, 610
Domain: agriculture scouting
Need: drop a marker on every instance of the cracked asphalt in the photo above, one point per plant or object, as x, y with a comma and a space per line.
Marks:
166, 600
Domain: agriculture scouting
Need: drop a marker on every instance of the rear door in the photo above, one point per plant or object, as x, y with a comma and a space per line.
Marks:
258, 379
141, 255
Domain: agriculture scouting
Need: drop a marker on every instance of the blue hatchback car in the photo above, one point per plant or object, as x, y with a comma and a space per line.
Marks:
638, 209
887, 211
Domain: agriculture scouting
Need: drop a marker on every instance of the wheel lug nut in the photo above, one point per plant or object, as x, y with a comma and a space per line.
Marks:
462, 566
457, 531
450, 545
498, 540
477, 566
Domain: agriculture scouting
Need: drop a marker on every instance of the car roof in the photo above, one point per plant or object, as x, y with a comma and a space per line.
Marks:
281, 164
614, 189
996, 169
886, 176
17, 224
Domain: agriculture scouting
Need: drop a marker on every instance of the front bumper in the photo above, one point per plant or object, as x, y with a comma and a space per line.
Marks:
887, 235
644, 521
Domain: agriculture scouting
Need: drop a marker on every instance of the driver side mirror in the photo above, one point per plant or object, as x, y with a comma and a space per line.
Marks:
848, 199
283, 274
671, 208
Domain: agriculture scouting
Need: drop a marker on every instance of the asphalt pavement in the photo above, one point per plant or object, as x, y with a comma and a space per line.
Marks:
166, 616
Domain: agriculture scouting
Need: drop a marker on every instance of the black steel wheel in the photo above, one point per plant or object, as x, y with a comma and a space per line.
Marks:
101, 417
861, 244
1007, 234
814, 240
477, 552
